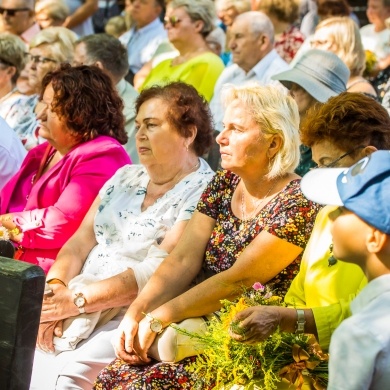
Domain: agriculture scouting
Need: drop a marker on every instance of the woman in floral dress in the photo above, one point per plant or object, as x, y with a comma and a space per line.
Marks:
251, 224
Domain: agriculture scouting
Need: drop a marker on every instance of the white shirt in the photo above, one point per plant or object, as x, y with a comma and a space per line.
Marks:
142, 43
360, 346
129, 95
262, 72
377, 42
12, 153
125, 234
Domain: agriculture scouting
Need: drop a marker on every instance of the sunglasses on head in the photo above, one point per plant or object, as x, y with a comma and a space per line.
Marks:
12, 11
172, 20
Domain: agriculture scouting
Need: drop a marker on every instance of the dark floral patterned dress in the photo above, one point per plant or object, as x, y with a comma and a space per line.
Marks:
289, 216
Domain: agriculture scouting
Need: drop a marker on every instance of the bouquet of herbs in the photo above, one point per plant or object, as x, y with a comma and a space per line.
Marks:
226, 363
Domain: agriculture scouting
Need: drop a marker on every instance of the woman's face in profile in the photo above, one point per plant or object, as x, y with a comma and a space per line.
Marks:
157, 141
52, 127
179, 26
242, 145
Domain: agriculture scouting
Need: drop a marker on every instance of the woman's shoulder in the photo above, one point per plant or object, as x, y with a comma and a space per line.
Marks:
224, 180
103, 145
209, 58
292, 194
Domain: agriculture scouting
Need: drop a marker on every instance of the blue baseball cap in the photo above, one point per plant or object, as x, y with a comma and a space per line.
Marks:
363, 188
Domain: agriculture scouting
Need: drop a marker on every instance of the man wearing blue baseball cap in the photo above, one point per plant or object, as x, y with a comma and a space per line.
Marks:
360, 346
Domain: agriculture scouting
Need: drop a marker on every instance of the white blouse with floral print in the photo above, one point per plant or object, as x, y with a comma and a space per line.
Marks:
126, 236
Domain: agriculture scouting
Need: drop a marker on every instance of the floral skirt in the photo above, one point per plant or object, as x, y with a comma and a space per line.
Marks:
119, 375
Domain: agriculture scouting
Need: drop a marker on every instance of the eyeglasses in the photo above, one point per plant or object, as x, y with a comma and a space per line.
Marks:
172, 20
334, 162
38, 59
12, 11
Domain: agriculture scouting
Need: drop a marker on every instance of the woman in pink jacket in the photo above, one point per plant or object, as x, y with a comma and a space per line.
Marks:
81, 118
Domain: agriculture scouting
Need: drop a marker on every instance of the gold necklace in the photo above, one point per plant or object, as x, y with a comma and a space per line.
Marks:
256, 206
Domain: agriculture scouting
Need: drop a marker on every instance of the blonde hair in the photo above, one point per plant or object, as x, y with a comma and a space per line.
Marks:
275, 113
345, 34
116, 26
284, 10
60, 40
55, 9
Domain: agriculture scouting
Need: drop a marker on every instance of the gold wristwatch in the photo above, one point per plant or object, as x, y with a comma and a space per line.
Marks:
155, 324
80, 302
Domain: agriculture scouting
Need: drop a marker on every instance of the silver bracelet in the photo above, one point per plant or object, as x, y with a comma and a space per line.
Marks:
300, 326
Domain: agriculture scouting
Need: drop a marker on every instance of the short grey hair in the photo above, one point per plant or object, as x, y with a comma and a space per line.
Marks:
276, 113
109, 51
260, 23
203, 10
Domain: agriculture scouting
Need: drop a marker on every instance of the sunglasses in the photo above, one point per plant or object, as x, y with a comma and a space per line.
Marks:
172, 20
38, 59
12, 11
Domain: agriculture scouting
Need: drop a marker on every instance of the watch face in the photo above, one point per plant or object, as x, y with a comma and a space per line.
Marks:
156, 326
79, 301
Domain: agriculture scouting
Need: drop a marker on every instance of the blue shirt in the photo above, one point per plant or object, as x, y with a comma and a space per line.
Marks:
360, 347
142, 43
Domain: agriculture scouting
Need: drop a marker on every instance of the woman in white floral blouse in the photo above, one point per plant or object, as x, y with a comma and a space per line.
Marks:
133, 224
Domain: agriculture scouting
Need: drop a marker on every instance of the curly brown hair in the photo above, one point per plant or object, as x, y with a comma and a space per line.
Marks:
186, 108
348, 120
86, 99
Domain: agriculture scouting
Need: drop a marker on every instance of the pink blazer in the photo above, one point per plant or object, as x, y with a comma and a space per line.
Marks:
51, 210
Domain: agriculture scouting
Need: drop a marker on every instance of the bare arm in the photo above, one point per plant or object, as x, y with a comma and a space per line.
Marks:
82, 13
73, 254
262, 260
116, 291
256, 263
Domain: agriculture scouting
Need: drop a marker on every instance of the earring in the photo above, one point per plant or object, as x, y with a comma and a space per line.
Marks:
331, 260
187, 148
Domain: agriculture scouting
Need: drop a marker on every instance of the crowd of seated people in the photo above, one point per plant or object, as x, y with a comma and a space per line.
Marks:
105, 182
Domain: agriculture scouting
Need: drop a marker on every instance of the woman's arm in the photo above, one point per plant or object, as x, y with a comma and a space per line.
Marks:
82, 13
261, 260
73, 254
172, 278
116, 291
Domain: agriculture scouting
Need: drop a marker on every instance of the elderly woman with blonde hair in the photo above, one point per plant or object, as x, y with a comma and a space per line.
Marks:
49, 13
48, 49
238, 235
341, 36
